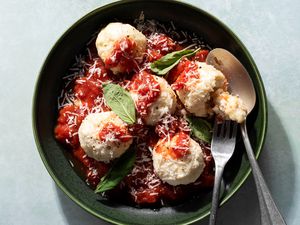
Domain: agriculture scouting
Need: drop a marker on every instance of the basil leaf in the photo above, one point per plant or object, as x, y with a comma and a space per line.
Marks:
169, 61
120, 101
201, 129
118, 171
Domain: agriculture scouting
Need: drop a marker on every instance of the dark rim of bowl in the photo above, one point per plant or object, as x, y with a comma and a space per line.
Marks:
97, 10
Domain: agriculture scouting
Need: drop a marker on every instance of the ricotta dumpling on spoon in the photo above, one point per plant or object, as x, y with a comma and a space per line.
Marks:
104, 136
121, 47
229, 107
178, 159
153, 97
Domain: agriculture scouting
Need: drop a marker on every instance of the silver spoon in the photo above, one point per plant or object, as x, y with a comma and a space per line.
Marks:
240, 84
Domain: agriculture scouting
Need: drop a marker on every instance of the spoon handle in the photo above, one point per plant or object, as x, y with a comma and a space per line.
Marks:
270, 214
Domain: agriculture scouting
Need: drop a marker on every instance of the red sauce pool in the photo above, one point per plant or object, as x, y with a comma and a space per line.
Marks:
68, 123
83, 95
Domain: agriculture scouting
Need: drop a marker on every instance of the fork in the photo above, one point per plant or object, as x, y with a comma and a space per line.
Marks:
222, 148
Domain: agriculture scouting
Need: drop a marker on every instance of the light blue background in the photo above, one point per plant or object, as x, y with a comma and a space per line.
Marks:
28, 29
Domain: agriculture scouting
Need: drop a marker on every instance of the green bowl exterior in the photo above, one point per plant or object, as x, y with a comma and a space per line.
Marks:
49, 83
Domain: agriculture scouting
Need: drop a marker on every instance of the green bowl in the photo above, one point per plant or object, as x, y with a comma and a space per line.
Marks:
50, 80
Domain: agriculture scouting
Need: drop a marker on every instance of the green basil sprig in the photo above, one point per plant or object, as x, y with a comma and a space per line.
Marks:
169, 61
201, 129
118, 171
120, 101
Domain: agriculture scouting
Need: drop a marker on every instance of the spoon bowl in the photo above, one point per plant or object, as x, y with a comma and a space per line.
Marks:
239, 81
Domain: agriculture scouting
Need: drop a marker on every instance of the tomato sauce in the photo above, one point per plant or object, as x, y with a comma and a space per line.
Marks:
84, 95
185, 70
147, 90
68, 123
87, 91
181, 147
177, 132
122, 55
97, 72
201, 55
93, 170
159, 45
111, 131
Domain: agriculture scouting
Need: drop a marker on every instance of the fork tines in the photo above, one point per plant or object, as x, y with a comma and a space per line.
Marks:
226, 129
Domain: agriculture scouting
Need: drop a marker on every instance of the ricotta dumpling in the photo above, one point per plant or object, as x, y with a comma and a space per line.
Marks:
229, 107
176, 162
200, 81
164, 103
104, 136
120, 46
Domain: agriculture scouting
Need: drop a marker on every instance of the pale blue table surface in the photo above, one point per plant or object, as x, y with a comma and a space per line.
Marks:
28, 29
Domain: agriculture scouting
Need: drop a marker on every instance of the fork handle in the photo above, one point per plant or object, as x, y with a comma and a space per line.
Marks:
216, 193
270, 214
